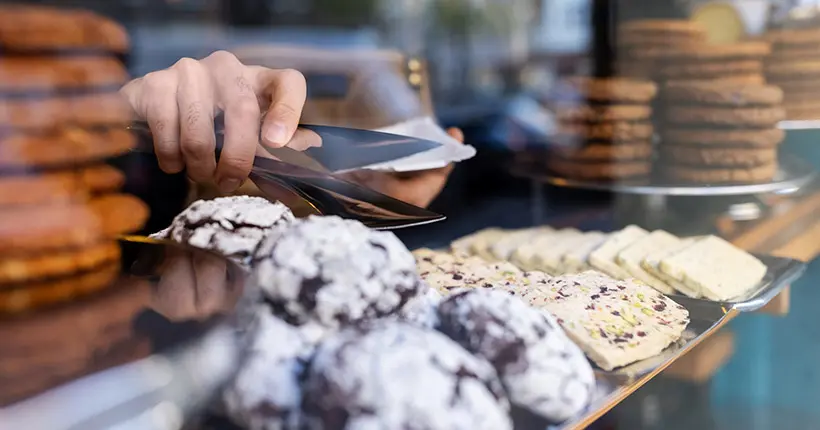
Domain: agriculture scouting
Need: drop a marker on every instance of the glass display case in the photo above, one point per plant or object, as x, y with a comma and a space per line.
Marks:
528, 214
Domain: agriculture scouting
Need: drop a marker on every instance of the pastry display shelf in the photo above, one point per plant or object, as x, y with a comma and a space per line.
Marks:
800, 124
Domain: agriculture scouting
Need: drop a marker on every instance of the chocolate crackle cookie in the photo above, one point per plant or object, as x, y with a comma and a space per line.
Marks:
334, 272
421, 311
231, 226
266, 393
395, 376
542, 371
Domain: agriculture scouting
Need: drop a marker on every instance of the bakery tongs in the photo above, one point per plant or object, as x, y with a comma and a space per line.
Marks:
312, 180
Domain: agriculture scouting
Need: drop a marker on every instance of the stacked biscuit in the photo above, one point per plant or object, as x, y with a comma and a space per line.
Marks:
794, 66
635, 38
718, 132
742, 61
61, 117
606, 133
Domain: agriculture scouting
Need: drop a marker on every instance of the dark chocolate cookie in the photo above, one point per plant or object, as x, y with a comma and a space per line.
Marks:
541, 369
335, 272
396, 376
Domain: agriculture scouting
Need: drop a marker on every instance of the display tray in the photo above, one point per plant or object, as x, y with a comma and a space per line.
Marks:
792, 174
799, 124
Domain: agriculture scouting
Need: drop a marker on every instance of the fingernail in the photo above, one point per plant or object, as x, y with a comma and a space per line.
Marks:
229, 185
276, 134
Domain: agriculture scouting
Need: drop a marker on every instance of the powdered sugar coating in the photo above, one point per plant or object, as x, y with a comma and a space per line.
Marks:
266, 393
541, 369
231, 226
395, 376
422, 311
334, 272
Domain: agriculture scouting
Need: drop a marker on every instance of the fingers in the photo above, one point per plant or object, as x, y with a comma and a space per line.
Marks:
287, 91
210, 283
195, 103
237, 98
456, 134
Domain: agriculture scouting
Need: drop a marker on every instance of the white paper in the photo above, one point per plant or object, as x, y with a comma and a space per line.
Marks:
451, 150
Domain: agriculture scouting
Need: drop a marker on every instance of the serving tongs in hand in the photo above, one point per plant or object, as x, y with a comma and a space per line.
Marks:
311, 180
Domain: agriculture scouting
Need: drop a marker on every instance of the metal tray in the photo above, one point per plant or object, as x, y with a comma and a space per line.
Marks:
793, 173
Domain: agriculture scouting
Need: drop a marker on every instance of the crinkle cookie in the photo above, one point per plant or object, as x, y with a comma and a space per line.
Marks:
231, 226
266, 393
421, 311
541, 369
396, 376
334, 272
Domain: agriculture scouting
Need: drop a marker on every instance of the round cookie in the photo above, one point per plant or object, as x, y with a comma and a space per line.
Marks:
40, 28
119, 214
746, 78
792, 70
16, 269
720, 175
710, 69
793, 37
761, 138
62, 147
599, 171
716, 52
606, 131
230, 226
29, 229
48, 74
604, 152
334, 272
90, 110
613, 89
44, 188
395, 376
803, 110
101, 178
719, 157
421, 311
583, 112
30, 296
726, 116
650, 28
723, 93
793, 86
542, 371
266, 392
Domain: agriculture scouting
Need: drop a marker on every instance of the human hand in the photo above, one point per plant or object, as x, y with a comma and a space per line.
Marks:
180, 103
417, 188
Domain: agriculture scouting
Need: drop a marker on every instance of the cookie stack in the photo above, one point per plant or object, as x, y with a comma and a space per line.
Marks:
741, 61
606, 133
61, 117
794, 66
636, 38
720, 132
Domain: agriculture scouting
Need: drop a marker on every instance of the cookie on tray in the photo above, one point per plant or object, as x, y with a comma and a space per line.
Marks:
711, 69
67, 146
625, 151
793, 70
266, 393
613, 89
542, 371
334, 272
755, 50
230, 226
393, 376
43, 188
119, 214
757, 138
47, 29
584, 112
720, 175
763, 116
718, 157
45, 227
722, 93
792, 37
600, 170
613, 131
89, 110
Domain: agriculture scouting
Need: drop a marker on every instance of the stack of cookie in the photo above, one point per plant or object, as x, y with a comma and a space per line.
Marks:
606, 133
794, 66
61, 117
636, 38
719, 132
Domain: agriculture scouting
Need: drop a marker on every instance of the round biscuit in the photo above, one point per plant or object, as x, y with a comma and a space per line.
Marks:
39, 228
710, 69
119, 214
17, 269
793, 70
41, 28
724, 175
37, 74
62, 147
718, 52
759, 138
718, 157
101, 178
602, 113
599, 171
45, 188
722, 93
617, 131
604, 152
725, 116
613, 89
88, 110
